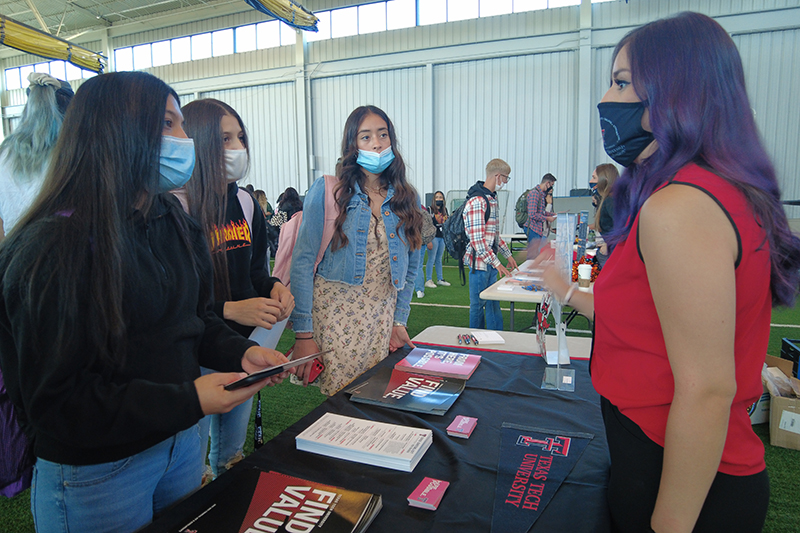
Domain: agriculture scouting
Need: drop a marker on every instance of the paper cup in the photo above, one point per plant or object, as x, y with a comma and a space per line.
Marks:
584, 275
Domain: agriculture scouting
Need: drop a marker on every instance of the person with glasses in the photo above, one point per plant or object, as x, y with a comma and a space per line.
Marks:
481, 218
537, 226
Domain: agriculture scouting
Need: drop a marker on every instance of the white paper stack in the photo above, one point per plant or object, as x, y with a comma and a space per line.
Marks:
366, 441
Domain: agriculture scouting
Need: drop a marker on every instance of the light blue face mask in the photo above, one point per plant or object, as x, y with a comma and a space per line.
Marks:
176, 162
374, 162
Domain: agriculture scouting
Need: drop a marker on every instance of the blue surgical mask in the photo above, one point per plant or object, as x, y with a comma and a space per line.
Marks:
374, 162
176, 162
623, 136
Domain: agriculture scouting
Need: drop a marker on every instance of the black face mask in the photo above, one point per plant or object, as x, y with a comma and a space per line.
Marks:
439, 203
623, 136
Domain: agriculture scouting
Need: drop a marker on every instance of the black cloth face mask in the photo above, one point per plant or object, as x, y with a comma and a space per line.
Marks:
623, 136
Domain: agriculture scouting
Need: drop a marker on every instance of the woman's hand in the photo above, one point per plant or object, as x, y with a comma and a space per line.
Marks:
214, 399
254, 312
399, 338
302, 348
258, 358
283, 295
430, 246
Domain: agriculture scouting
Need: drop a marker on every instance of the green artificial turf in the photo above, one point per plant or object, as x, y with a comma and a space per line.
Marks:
285, 404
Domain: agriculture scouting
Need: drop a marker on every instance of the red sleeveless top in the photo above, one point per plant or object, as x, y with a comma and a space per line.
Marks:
629, 360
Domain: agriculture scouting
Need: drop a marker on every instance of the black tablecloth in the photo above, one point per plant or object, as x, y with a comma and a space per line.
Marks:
504, 388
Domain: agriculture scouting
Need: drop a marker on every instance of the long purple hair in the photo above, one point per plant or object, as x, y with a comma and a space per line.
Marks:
689, 70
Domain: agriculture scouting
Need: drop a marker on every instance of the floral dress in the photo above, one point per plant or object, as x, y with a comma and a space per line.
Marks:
355, 320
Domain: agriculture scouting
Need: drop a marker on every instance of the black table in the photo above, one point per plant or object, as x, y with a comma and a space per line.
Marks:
504, 388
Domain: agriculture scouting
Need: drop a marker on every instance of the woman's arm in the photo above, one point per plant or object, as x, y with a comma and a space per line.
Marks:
309, 239
689, 248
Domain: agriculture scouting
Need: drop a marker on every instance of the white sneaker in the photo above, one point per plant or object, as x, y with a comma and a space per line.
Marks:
420, 294
430, 284
443, 283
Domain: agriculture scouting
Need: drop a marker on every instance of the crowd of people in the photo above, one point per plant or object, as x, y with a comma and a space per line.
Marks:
134, 268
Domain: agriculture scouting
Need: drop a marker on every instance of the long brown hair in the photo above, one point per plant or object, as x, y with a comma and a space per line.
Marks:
435, 208
404, 203
207, 191
607, 174
74, 243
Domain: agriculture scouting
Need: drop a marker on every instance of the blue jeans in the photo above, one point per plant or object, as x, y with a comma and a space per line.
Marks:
119, 496
535, 243
227, 431
419, 284
437, 253
479, 280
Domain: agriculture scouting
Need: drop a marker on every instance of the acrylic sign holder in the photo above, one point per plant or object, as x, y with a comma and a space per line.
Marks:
558, 378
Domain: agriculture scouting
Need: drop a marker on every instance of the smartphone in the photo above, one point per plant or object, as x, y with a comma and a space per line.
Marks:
316, 370
261, 375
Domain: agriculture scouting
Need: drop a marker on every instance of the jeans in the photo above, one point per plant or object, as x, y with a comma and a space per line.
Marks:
437, 253
227, 431
119, 496
419, 284
535, 243
479, 280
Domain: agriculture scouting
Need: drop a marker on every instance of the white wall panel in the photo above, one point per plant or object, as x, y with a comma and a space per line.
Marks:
600, 84
519, 109
770, 62
268, 113
399, 93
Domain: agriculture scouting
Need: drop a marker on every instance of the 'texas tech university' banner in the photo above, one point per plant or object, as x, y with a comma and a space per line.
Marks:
533, 464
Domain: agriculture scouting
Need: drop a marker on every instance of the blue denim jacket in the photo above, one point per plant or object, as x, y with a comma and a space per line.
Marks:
347, 264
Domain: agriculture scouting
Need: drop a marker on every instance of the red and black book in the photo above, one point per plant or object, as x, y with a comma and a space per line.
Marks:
439, 363
271, 501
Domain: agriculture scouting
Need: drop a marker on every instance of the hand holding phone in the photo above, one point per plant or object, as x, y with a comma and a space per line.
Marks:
261, 375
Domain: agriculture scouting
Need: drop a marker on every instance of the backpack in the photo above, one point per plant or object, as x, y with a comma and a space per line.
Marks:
521, 209
455, 234
428, 229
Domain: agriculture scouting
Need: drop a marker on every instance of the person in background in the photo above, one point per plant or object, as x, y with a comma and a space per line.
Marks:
289, 203
244, 293
606, 175
358, 302
25, 154
24, 157
419, 282
484, 244
266, 208
439, 214
538, 219
106, 311
703, 251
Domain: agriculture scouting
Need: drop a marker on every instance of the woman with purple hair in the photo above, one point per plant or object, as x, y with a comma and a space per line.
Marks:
682, 310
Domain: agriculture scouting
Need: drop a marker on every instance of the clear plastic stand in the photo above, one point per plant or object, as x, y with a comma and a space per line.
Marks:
559, 378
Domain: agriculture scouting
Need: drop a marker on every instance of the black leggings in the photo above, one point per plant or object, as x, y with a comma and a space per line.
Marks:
734, 503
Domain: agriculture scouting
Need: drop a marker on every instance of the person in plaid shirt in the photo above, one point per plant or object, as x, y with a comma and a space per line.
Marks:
537, 217
484, 242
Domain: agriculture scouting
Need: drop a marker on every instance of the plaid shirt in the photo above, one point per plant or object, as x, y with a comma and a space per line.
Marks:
536, 207
482, 236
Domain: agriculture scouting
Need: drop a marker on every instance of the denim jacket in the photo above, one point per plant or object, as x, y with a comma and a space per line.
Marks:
347, 264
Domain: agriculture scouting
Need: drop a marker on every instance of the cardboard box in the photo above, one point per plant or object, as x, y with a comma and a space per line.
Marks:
790, 349
784, 415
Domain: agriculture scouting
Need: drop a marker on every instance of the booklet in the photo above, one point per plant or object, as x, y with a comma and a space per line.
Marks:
271, 501
488, 337
366, 441
261, 375
439, 363
428, 494
397, 389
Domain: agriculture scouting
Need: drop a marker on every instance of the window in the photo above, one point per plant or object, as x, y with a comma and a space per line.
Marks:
74, 73
462, 10
529, 5
201, 46
372, 18
222, 42
42, 67
344, 22
25, 71
288, 35
401, 14
58, 70
246, 38
432, 12
142, 57
323, 27
12, 79
123, 59
161, 53
181, 49
268, 34
490, 8
88, 74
